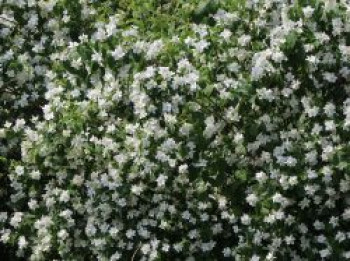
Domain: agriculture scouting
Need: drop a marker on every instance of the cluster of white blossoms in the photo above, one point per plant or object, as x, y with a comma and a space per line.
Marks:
32, 33
226, 139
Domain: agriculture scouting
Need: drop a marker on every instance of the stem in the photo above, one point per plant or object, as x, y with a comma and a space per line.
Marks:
137, 249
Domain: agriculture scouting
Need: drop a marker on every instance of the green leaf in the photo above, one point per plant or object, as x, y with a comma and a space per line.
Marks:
208, 89
204, 9
291, 41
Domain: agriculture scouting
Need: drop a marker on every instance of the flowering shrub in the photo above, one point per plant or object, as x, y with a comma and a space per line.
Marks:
221, 137
31, 33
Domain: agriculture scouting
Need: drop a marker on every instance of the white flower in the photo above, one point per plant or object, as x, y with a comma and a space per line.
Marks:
5, 236
308, 11
325, 253
289, 240
227, 252
346, 214
48, 114
154, 49
16, 219
43, 223
261, 177
255, 258
118, 53
252, 199
346, 254
35, 174
136, 189
2, 133
245, 219
211, 128
278, 56
90, 230
65, 197
226, 34
63, 234
293, 180
330, 77
161, 180
183, 168
22, 242
312, 59
311, 174
201, 45
318, 225
244, 40
270, 256
312, 111
329, 109
19, 170
277, 198
261, 64
3, 217
330, 125
265, 94
165, 247
330, 4
116, 256
185, 129
97, 57
146, 248
33, 204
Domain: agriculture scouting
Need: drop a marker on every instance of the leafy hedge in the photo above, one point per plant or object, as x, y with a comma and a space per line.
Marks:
164, 130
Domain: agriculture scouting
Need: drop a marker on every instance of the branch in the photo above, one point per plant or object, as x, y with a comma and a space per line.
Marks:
137, 249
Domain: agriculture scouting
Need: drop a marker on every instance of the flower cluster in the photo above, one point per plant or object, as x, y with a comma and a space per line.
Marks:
31, 35
223, 138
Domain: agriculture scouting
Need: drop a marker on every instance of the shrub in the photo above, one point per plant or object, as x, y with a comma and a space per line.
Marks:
221, 137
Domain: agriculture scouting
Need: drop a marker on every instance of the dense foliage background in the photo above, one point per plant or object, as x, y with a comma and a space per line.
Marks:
165, 130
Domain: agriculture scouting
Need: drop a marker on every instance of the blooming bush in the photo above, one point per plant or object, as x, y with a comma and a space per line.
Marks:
223, 136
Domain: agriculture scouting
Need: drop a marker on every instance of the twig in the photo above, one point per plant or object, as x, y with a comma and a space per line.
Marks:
137, 249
